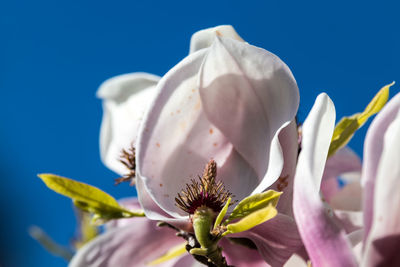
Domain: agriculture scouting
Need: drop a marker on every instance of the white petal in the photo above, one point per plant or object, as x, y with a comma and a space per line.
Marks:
205, 38
154, 212
136, 244
241, 256
384, 237
288, 140
373, 148
125, 99
178, 136
276, 239
326, 243
177, 140
250, 95
316, 137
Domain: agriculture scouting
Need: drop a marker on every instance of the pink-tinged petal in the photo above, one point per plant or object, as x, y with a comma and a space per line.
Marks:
128, 203
151, 209
288, 140
276, 239
343, 161
154, 212
383, 241
205, 38
358, 251
350, 221
136, 244
239, 255
373, 148
329, 188
356, 237
176, 141
348, 198
125, 99
250, 95
325, 241
186, 261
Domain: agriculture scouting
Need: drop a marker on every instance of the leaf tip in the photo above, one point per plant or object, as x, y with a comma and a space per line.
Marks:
45, 176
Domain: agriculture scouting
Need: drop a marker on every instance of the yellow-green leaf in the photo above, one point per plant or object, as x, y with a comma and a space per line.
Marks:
253, 203
253, 219
88, 198
170, 254
347, 126
222, 213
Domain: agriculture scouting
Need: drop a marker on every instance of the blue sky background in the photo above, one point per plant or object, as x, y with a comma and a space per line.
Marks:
54, 55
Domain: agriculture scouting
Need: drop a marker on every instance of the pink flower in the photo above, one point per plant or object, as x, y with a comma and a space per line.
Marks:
329, 242
228, 101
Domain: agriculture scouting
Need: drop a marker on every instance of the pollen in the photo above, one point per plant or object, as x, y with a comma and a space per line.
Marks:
205, 191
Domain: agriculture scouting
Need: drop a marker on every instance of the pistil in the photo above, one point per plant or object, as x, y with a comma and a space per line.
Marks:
205, 192
203, 200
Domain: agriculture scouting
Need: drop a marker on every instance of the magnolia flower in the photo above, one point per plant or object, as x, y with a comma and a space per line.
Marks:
230, 102
227, 101
328, 243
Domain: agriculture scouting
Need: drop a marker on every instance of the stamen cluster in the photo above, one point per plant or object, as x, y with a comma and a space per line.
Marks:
204, 192
128, 159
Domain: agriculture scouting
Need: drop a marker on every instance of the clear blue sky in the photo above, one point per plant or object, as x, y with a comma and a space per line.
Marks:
54, 54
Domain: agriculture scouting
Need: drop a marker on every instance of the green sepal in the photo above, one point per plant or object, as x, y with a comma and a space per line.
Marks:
89, 198
253, 219
347, 126
222, 213
254, 203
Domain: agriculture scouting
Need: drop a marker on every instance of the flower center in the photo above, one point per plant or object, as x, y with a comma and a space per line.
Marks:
204, 192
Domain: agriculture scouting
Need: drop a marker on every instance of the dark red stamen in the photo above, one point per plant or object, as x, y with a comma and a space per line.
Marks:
205, 192
128, 158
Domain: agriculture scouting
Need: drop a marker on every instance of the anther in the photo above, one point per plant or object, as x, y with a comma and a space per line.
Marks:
204, 192
127, 158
